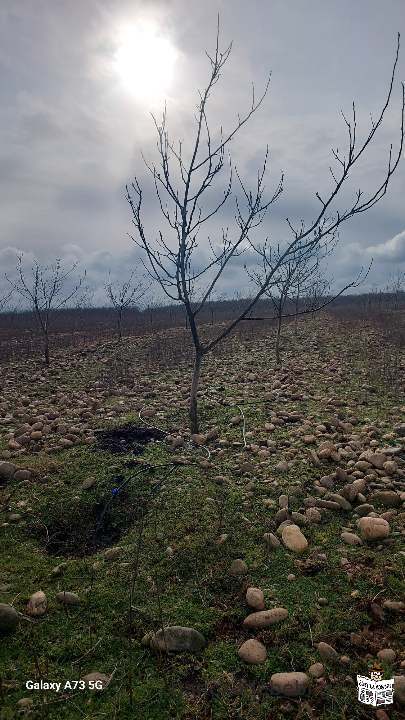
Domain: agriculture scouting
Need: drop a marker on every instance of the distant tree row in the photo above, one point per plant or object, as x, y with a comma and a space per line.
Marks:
46, 289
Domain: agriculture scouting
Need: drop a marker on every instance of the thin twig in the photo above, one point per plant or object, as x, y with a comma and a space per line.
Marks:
243, 426
74, 662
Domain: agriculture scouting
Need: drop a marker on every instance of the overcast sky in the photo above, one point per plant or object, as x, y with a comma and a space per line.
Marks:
75, 115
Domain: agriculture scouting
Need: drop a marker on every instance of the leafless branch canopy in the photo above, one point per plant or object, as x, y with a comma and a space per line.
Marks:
183, 183
125, 294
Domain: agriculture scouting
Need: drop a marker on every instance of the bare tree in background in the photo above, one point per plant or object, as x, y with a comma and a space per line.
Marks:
310, 289
182, 185
124, 295
299, 287
45, 289
83, 301
152, 311
294, 279
396, 288
318, 293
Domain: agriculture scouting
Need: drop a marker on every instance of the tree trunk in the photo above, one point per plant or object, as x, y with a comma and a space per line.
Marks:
46, 351
193, 392
297, 305
278, 337
120, 326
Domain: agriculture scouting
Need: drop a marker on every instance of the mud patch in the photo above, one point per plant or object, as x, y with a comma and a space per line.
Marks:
82, 529
127, 438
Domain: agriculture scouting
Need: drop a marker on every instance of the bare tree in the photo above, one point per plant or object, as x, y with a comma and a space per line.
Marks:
318, 296
151, 312
310, 289
124, 295
296, 277
183, 184
45, 289
83, 302
395, 288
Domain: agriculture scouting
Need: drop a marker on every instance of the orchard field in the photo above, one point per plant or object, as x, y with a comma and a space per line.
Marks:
185, 574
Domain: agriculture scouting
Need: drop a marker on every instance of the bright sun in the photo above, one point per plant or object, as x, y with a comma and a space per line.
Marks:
145, 61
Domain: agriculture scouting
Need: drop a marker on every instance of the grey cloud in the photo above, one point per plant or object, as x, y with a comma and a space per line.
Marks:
85, 198
392, 250
72, 138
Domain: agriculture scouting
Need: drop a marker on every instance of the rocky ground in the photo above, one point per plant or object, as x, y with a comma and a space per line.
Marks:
250, 571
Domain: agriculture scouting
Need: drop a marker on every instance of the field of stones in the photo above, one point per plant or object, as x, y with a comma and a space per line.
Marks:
250, 571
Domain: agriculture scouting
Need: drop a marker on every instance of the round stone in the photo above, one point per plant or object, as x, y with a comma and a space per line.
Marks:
327, 652
9, 619
25, 704
351, 538
399, 689
316, 670
96, 681
387, 655
255, 598
37, 604
177, 639
68, 598
294, 539
7, 470
265, 618
271, 540
290, 684
373, 528
253, 652
238, 568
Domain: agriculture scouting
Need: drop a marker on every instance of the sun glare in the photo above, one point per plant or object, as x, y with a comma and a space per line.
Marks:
145, 61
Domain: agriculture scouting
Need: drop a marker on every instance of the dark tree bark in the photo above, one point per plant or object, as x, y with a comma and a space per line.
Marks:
193, 408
